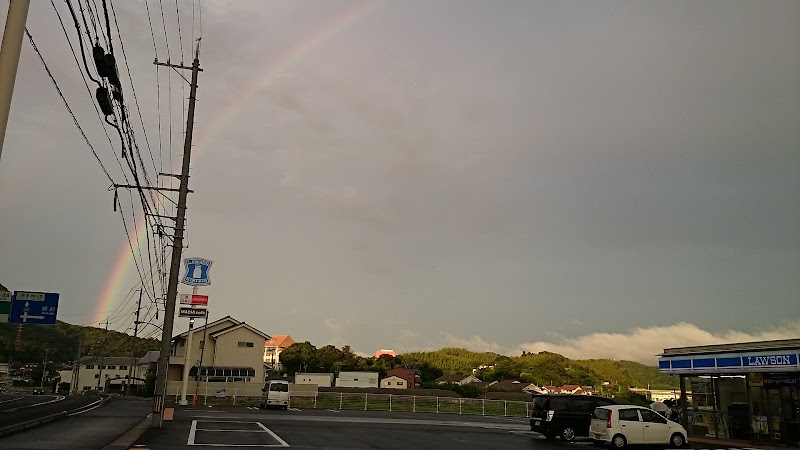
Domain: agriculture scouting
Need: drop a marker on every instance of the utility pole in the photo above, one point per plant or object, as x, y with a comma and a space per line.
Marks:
133, 343
100, 374
44, 367
177, 247
76, 368
9, 59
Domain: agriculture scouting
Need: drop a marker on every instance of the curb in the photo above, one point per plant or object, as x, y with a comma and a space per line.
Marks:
126, 440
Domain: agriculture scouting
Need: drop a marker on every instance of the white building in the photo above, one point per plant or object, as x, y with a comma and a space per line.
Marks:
105, 374
357, 379
394, 383
320, 379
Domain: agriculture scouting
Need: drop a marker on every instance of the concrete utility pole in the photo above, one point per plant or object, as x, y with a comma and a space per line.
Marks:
44, 367
133, 343
100, 375
9, 59
75, 368
177, 248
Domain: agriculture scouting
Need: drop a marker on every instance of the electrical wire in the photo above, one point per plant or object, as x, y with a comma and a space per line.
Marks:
66, 104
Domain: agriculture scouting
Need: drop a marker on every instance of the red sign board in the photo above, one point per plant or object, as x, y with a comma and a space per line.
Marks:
194, 299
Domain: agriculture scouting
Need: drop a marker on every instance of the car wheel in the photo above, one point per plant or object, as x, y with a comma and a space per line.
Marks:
568, 434
619, 441
677, 440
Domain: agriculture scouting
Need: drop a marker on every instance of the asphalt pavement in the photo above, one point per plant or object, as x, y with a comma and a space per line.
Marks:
89, 428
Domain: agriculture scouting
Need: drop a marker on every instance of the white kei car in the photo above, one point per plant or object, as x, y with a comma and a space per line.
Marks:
627, 424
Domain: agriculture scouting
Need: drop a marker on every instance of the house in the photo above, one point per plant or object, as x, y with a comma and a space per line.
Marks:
534, 389
412, 376
357, 379
104, 374
381, 352
394, 383
273, 348
511, 385
457, 379
233, 353
320, 379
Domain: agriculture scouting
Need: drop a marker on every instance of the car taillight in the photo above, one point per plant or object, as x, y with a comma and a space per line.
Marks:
608, 419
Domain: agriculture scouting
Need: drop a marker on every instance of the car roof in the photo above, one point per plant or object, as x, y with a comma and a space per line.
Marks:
615, 407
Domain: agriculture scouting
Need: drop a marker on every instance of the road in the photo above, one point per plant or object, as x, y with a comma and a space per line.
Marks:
17, 408
89, 428
224, 427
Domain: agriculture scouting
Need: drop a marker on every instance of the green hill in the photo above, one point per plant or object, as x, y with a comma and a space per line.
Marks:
60, 341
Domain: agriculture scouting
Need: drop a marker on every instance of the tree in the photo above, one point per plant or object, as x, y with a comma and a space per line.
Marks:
328, 356
298, 357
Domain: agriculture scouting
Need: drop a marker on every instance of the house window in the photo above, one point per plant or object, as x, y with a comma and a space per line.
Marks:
112, 367
90, 366
97, 375
123, 367
86, 388
245, 344
355, 379
388, 383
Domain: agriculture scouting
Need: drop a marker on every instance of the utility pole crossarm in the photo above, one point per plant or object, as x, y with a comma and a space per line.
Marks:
130, 186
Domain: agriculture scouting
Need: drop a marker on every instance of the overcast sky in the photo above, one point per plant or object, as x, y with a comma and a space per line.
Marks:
503, 176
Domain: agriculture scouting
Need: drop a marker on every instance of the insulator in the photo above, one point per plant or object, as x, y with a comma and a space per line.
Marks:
104, 101
100, 60
111, 66
117, 94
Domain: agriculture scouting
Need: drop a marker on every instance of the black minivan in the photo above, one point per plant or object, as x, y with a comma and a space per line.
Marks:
565, 415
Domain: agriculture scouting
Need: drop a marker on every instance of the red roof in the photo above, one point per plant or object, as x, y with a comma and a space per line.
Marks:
280, 341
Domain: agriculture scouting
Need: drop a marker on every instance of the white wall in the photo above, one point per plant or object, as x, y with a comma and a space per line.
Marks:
320, 379
357, 379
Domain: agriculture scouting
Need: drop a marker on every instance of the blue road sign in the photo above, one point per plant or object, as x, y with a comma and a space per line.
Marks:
33, 307
197, 270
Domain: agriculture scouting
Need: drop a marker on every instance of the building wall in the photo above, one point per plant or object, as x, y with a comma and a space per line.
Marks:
88, 374
357, 379
394, 383
320, 379
236, 356
412, 379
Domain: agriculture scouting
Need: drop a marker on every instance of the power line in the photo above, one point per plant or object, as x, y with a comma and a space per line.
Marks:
66, 104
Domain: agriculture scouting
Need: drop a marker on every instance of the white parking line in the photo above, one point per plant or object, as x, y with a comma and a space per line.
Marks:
12, 400
194, 429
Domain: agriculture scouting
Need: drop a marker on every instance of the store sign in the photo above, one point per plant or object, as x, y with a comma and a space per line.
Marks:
769, 360
774, 380
194, 299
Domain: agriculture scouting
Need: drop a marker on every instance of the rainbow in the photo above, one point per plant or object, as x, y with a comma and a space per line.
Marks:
121, 270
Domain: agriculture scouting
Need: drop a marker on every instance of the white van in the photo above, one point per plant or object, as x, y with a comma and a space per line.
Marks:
275, 394
627, 424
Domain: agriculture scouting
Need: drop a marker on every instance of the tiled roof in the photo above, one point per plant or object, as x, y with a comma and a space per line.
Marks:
281, 341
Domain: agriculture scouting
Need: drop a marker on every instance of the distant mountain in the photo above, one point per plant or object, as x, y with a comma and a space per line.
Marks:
543, 368
60, 342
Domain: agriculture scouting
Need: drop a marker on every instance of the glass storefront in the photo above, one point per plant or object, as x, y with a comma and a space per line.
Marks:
733, 394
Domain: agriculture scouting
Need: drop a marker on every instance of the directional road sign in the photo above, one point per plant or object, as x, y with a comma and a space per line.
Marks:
33, 307
192, 312
5, 306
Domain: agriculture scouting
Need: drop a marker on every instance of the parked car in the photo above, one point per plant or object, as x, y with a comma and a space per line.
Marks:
38, 391
275, 394
564, 415
627, 424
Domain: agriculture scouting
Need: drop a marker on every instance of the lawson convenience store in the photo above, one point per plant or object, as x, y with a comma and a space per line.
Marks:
747, 391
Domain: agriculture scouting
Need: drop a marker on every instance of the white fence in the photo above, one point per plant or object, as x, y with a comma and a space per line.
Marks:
250, 394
